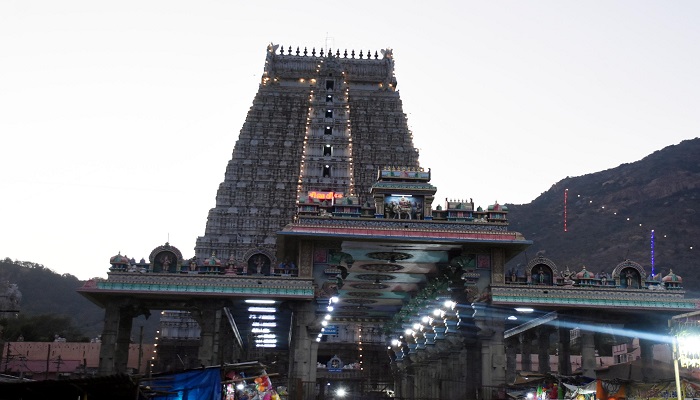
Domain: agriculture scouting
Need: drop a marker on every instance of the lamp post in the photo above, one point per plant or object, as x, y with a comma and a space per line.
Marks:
676, 368
685, 331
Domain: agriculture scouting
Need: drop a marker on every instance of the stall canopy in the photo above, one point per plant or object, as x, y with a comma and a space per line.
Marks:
201, 384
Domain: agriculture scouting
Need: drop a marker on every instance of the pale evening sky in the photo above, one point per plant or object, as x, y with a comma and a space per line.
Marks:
117, 118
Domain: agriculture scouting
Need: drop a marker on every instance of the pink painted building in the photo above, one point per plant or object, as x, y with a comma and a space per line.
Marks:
56, 360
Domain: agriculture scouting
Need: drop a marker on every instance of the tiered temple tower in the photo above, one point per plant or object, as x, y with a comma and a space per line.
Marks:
321, 123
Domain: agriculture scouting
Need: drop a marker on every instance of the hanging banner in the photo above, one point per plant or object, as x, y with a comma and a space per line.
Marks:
662, 390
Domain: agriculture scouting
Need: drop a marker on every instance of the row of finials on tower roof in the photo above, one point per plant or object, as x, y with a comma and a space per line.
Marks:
385, 53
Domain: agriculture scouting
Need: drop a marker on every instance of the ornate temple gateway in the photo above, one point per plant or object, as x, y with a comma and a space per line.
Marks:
327, 253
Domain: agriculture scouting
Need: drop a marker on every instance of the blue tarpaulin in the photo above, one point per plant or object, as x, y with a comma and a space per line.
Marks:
193, 385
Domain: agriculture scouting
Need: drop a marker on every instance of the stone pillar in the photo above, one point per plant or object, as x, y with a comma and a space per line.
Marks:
409, 383
379, 206
445, 378
493, 359
473, 371
543, 333
646, 348
109, 339
420, 391
123, 340
564, 350
525, 351
303, 349
399, 369
206, 318
588, 361
512, 346
454, 376
428, 207
462, 373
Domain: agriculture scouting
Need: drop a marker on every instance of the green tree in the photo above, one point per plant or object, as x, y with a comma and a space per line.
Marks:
41, 328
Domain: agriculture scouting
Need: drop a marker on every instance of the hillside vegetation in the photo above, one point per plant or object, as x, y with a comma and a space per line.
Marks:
46, 293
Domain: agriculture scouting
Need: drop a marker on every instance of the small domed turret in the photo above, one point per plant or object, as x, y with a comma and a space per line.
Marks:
119, 262
671, 277
212, 261
672, 281
585, 274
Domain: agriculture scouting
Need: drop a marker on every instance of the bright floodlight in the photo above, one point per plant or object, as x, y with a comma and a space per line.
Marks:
425, 319
334, 299
341, 392
524, 309
259, 301
262, 309
688, 345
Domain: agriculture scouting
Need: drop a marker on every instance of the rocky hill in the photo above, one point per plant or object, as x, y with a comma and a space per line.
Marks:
610, 216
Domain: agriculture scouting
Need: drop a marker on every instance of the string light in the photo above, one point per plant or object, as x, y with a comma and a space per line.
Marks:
652, 237
566, 193
359, 346
652, 253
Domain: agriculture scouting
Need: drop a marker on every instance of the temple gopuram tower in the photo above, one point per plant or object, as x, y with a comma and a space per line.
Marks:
321, 123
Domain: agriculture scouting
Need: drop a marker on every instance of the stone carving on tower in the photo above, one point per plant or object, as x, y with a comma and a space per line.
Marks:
320, 123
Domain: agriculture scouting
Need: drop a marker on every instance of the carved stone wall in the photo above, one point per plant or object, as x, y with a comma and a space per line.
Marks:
280, 148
